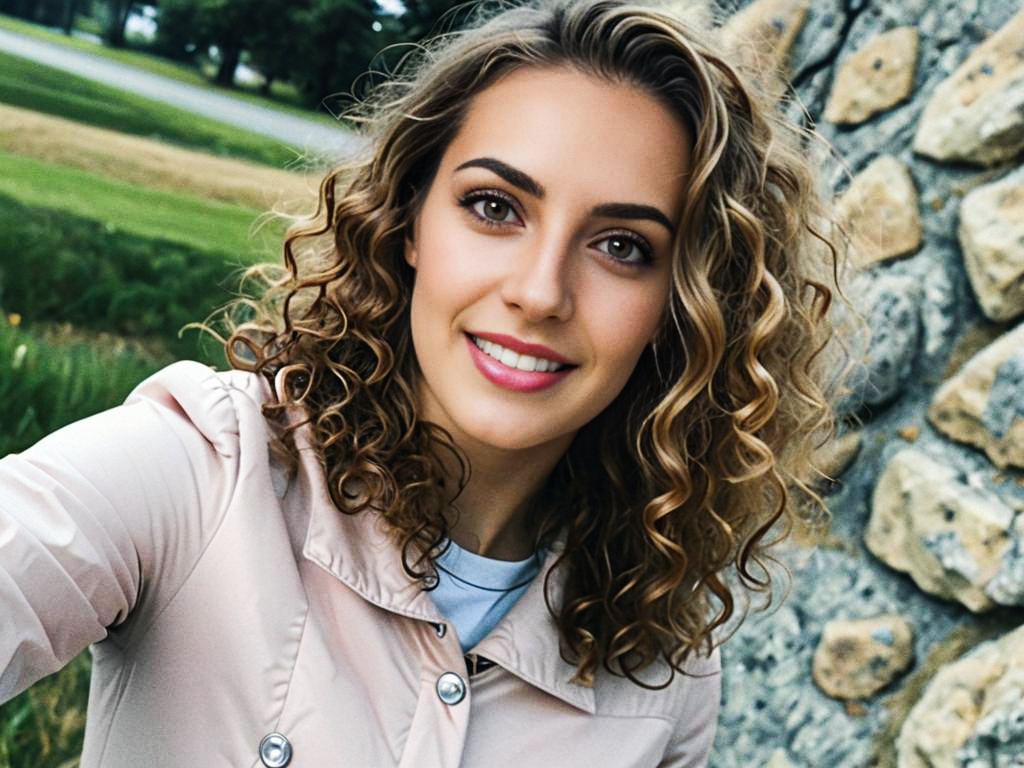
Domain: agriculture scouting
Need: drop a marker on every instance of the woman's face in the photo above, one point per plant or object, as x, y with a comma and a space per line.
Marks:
542, 256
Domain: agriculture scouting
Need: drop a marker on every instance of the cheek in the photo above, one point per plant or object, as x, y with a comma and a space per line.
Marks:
624, 332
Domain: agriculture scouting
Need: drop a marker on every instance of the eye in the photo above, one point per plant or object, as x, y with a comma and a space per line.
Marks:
626, 249
490, 207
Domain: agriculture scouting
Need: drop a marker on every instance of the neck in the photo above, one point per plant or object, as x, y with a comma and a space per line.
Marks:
492, 510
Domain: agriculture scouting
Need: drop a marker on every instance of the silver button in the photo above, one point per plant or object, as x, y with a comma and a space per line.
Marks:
451, 689
275, 751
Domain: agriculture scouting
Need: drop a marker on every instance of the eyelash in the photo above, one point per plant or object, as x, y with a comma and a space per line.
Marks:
468, 200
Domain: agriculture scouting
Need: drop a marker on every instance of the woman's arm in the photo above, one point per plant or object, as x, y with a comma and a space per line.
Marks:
104, 519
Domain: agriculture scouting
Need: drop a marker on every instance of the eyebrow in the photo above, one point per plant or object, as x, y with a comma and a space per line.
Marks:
523, 181
513, 176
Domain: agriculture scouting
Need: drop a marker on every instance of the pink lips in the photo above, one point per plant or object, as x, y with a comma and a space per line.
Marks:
512, 378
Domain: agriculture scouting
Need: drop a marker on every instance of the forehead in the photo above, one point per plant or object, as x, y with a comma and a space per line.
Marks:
568, 129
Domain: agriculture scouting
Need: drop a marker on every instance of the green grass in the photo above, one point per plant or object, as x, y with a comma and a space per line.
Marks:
69, 269
44, 726
282, 97
35, 86
154, 213
61, 377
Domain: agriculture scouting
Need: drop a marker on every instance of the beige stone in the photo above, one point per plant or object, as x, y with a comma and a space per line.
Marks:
948, 536
761, 34
958, 701
856, 659
779, 759
977, 113
880, 212
983, 404
992, 238
837, 454
874, 78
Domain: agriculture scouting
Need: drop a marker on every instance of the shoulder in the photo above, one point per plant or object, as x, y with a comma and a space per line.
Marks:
663, 693
224, 407
687, 702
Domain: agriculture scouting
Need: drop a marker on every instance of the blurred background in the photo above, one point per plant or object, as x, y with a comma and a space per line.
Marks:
142, 146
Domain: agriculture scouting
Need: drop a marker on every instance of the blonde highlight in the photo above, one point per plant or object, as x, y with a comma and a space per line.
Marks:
709, 445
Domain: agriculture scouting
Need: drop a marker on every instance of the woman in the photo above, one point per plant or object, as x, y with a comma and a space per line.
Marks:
539, 372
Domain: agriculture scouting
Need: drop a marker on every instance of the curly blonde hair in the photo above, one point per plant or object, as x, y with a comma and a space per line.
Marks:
692, 465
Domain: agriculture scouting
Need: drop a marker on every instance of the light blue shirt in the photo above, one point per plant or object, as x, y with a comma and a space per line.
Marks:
473, 592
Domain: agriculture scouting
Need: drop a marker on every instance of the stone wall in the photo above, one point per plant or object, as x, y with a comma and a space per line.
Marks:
901, 642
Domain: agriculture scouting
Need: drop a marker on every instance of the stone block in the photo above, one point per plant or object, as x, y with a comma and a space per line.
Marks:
761, 35
835, 456
950, 537
977, 113
856, 659
874, 78
880, 212
971, 713
983, 404
992, 238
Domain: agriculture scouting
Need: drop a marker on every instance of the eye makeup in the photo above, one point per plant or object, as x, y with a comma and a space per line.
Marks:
469, 201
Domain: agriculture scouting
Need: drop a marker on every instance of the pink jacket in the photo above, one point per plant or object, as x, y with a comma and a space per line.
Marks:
237, 619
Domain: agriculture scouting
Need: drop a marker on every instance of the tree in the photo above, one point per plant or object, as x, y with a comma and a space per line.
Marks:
177, 35
187, 26
338, 43
422, 17
275, 42
118, 12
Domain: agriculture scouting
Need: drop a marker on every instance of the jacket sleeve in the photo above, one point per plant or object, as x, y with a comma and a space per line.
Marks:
695, 729
103, 519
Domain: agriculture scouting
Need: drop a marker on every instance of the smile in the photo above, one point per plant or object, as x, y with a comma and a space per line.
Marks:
512, 359
529, 370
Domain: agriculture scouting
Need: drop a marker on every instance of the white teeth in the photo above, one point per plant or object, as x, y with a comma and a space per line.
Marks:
509, 358
512, 360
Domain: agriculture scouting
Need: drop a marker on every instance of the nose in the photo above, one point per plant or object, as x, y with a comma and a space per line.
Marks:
539, 283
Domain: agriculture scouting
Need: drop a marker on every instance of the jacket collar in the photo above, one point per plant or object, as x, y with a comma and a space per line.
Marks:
527, 643
360, 552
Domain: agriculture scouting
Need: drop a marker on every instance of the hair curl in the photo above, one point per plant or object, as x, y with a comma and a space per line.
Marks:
691, 466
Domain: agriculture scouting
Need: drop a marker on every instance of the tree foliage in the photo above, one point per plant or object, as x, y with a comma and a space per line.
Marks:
321, 46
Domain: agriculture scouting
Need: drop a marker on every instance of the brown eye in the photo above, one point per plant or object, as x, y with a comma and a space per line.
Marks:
490, 207
494, 209
626, 250
620, 247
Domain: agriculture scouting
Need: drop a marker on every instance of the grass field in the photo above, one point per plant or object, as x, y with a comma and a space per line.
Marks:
282, 97
119, 206
71, 270
37, 87
153, 164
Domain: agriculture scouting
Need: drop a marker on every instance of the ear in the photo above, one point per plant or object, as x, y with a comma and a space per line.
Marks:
410, 251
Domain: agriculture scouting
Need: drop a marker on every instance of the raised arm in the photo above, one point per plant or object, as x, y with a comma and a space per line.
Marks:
101, 522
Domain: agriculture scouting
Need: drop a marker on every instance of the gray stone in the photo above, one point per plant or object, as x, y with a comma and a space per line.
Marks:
891, 306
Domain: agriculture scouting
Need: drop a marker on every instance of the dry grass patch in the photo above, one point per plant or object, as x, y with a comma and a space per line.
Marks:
153, 164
